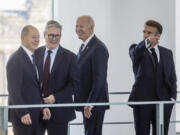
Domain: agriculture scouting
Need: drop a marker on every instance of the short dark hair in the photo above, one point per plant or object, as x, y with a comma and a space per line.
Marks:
155, 24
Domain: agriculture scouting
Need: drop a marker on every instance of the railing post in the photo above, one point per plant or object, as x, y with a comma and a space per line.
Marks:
68, 132
4, 121
160, 118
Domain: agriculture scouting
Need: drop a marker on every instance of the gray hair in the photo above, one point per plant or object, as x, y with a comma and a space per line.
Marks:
89, 19
52, 23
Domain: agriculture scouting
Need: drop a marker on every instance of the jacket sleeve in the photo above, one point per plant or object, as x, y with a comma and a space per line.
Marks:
99, 71
72, 86
15, 80
136, 51
173, 79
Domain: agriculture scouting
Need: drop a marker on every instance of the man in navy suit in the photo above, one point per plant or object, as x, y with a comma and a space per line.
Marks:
23, 86
59, 78
93, 62
155, 79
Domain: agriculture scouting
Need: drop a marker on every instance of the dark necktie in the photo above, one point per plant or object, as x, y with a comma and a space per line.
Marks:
34, 64
80, 51
33, 60
154, 56
46, 75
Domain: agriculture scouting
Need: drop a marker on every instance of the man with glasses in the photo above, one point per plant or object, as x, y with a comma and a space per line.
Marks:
58, 75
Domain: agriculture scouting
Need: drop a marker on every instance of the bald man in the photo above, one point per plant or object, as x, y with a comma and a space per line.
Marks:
93, 61
23, 86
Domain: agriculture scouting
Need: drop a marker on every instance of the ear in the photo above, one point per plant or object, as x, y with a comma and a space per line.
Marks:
22, 38
158, 36
92, 29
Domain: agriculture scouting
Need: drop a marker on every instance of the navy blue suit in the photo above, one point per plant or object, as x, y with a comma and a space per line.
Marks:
23, 88
93, 64
152, 83
64, 80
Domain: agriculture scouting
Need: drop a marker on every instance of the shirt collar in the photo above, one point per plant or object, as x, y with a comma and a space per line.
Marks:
53, 50
87, 41
29, 53
155, 47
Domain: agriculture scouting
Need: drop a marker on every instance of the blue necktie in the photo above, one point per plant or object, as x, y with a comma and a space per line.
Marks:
80, 51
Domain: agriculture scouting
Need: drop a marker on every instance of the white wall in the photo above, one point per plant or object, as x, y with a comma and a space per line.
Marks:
178, 58
119, 23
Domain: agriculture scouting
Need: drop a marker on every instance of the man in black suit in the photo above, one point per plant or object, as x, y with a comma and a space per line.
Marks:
93, 62
59, 78
155, 78
23, 85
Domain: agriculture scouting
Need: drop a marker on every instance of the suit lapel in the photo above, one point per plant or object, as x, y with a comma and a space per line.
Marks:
58, 59
27, 61
40, 63
85, 51
89, 47
165, 61
151, 57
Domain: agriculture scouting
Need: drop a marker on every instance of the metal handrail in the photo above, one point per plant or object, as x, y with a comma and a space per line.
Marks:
87, 104
159, 106
111, 93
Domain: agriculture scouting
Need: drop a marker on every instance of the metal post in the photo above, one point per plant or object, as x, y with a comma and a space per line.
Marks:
5, 126
160, 118
4, 121
68, 132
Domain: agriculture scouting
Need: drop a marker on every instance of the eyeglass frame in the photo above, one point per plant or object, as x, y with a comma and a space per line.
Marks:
51, 36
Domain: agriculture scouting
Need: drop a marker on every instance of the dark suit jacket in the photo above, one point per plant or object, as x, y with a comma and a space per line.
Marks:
64, 80
143, 67
23, 86
93, 65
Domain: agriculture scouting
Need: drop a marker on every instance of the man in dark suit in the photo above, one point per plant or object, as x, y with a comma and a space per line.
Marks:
93, 62
23, 85
155, 78
59, 78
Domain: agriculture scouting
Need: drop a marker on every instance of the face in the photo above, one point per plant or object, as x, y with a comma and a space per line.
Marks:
31, 40
150, 32
83, 29
52, 37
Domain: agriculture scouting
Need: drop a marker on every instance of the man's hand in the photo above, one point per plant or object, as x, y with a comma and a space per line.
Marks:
50, 99
26, 119
87, 111
153, 40
46, 114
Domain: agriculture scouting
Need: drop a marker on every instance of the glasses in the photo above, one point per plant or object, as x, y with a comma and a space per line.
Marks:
51, 36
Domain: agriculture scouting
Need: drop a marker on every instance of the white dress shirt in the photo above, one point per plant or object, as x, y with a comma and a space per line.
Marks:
87, 41
52, 56
148, 46
28, 52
